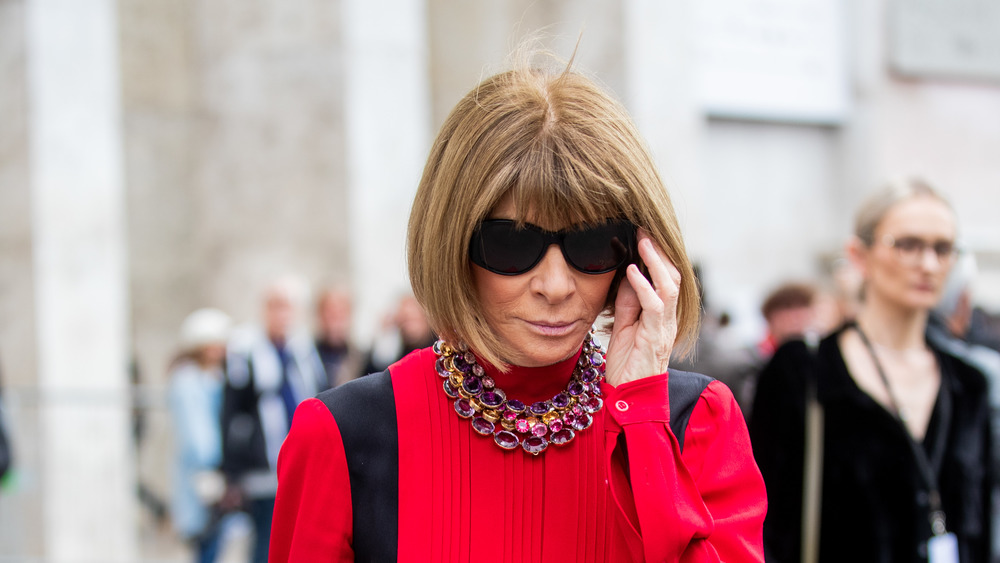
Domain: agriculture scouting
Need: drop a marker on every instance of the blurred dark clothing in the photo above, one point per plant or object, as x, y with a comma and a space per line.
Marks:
341, 362
5, 448
874, 501
735, 365
377, 362
987, 361
265, 382
984, 329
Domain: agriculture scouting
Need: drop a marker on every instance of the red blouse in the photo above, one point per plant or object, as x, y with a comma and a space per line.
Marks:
598, 498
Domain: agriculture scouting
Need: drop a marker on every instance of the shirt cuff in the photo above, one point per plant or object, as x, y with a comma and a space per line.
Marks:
640, 401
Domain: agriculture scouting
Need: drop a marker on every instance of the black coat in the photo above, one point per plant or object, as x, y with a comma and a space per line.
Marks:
874, 502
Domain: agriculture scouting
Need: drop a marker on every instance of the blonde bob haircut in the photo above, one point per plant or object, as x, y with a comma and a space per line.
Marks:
565, 153
875, 207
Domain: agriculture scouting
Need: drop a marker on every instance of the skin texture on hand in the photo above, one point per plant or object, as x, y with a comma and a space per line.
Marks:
645, 318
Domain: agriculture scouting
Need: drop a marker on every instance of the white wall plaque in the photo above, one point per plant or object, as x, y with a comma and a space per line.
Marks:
945, 38
781, 60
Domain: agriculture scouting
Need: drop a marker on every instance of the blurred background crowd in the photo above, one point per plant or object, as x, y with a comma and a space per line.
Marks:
179, 174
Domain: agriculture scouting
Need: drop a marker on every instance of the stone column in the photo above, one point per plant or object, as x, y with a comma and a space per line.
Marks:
387, 135
81, 294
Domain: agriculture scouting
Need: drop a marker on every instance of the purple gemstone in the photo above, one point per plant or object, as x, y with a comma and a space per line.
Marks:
582, 421
472, 385
515, 405
576, 389
483, 426
464, 408
438, 347
491, 399
556, 425
539, 430
450, 390
441, 367
562, 437
592, 404
589, 375
561, 401
540, 408
506, 440
596, 389
535, 445
459, 363
596, 359
468, 360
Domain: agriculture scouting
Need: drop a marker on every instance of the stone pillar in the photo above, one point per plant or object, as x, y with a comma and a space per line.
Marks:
387, 135
79, 258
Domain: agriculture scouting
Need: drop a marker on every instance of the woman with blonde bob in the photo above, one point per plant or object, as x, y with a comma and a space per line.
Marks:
515, 437
903, 467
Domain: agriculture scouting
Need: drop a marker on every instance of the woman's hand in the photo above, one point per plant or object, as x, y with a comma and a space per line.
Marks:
645, 318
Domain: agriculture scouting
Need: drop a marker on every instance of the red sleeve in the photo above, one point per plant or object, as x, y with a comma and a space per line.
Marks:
705, 505
312, 509
718, 455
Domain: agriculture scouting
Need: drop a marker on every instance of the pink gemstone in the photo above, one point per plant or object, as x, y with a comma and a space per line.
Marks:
556, 425
592, 404
539, 430
535, 445
577, 410
562, 437
510, 415
581, 422
487, 381
506, 440
522, 426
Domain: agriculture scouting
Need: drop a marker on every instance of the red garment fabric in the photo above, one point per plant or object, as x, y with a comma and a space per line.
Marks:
462, 498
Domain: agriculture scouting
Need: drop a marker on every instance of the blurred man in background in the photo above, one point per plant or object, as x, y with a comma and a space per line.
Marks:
269, 371
341, 358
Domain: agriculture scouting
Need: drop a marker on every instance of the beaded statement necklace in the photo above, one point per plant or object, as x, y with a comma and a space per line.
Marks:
511, 422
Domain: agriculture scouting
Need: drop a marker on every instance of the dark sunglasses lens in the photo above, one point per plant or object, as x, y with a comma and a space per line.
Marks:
505, 249
599, 249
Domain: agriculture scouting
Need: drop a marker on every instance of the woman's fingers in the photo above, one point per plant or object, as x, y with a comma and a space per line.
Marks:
645, 317
665, 276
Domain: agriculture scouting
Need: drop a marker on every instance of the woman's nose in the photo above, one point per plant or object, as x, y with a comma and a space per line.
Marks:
553, 277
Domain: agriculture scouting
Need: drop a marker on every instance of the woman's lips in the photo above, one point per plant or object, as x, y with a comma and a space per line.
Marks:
550, 328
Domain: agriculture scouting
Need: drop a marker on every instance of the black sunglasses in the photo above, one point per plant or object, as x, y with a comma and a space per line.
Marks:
502, 247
